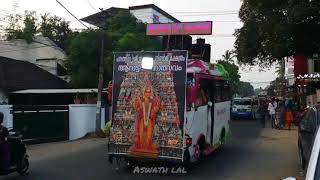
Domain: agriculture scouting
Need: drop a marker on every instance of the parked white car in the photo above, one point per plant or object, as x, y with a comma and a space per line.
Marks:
313, 171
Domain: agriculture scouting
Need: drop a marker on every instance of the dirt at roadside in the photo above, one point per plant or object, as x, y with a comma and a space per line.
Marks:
280, 147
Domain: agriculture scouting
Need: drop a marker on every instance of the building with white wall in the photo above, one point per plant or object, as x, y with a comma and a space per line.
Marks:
42, 52
149, 13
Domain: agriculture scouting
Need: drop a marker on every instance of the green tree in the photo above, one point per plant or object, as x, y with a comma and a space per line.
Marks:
53, 27
83, 58
257, 91
273, 30
245, 89
280, 69
26, 32
122, 33
56, 29
233, 71
229, 56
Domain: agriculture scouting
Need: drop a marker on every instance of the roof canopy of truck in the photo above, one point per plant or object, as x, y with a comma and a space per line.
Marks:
199, 66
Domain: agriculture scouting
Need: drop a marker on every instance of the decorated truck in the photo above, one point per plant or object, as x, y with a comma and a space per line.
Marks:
166, 107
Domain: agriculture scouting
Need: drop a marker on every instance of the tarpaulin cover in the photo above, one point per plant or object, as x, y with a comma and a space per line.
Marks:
199, 66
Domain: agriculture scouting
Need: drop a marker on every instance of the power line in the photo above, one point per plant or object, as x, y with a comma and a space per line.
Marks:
72, 14
92, 6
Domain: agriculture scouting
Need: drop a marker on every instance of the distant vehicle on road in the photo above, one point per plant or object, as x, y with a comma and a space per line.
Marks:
242, 108
308, 126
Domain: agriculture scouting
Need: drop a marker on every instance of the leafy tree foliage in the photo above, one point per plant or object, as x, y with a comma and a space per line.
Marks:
122, 33
237, 86
245, 89
233, 71
56, 29
274, 29
53, 27
26, 32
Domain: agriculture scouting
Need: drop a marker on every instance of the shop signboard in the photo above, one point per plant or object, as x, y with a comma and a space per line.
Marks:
184, 28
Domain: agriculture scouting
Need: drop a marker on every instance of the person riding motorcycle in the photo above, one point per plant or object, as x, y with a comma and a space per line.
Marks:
4, 147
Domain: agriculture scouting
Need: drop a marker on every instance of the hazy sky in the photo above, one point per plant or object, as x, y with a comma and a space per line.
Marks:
224, 24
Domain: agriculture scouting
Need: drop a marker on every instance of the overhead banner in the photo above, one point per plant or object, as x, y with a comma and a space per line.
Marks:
148, 104
186, 28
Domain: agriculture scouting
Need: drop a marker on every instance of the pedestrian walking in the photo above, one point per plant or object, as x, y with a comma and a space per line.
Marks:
272, 112
288, 118
262, 111
4, 147
280, 111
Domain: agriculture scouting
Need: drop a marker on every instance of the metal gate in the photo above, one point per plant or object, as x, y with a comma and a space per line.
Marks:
40, 124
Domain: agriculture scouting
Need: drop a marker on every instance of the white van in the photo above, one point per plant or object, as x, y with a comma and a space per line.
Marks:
242, 108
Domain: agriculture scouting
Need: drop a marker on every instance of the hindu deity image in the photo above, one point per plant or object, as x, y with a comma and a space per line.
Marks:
146, 119
146, 104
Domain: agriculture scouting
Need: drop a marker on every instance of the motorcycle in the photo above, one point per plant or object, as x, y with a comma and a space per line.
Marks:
19, 157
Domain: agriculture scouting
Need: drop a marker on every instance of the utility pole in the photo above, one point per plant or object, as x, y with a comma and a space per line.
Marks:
100, 87
101, 72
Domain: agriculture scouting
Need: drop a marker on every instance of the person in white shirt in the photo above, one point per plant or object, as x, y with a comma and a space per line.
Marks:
272, 111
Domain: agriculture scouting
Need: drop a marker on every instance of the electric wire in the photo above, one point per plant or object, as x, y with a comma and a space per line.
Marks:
72, 14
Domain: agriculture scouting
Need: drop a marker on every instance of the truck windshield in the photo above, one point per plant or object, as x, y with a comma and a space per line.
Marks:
242, 102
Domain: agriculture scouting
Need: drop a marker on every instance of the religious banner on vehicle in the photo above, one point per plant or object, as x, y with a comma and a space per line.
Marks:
148, 106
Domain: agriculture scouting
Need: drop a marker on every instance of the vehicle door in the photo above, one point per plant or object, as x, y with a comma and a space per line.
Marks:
307, 130
202, 114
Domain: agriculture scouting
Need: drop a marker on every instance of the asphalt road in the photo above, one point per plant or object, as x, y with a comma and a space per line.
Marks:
253, 153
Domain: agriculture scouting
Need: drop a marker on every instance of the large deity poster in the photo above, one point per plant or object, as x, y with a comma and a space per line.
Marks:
148, 107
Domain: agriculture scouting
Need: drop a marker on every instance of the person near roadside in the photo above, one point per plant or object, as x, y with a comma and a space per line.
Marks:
280, 112
263, 108
4, 147
288, 117
272, 112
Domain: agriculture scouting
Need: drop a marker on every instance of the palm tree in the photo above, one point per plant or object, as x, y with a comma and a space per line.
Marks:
229, 56
280, 69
